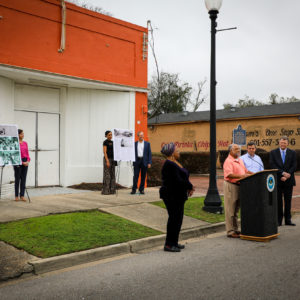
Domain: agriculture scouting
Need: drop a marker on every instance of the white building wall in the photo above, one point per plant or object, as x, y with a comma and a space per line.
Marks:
85, 116
7, 116
6, 101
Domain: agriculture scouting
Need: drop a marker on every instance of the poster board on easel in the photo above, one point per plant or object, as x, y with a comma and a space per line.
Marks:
123, 145
10, 154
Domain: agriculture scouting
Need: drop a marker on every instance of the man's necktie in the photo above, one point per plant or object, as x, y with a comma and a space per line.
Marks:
283, 156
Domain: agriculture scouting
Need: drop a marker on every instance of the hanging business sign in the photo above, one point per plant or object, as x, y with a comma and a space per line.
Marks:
9, 146
239, 136
123, 144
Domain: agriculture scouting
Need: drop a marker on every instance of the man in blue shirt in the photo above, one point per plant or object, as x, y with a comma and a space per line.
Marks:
252, 161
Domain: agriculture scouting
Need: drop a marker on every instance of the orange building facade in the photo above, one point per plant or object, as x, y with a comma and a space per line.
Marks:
74, 70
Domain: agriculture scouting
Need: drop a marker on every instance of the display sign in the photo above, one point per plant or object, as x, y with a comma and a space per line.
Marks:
239, 136
9, 146
123, 145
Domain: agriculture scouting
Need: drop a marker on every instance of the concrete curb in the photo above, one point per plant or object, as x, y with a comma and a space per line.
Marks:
202, 231
41, 266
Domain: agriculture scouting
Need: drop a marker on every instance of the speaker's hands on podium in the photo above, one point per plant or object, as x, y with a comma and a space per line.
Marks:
246, 175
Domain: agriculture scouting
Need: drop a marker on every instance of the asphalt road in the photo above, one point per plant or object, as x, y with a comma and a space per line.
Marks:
212, 268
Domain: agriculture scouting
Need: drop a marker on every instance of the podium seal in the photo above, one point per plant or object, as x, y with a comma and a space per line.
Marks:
270, 183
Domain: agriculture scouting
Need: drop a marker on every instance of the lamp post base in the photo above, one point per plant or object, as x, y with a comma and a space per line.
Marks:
213, 202
213, 209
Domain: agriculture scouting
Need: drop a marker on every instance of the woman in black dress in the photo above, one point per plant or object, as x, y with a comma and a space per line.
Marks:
109, 178
175, 190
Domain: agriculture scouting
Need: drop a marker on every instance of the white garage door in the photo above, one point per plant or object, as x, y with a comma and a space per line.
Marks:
40, 122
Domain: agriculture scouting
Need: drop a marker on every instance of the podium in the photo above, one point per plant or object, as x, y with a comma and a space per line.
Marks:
258, 196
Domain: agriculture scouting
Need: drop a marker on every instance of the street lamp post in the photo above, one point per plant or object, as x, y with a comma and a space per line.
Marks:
212, 202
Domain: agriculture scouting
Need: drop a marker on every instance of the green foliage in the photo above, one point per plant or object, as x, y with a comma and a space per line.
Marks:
246, 102
273, 99
167, 94
193, 208
154, 173
66, 233
194, 162
91, 7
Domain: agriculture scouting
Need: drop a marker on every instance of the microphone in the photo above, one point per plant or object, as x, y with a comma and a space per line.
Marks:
256, 161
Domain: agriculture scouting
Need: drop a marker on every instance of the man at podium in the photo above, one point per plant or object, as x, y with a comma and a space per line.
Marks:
234, 169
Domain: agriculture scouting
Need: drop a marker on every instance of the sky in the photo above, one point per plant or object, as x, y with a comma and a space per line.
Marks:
259, 58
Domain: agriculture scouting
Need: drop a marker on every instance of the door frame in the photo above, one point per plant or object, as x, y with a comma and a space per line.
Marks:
36, 150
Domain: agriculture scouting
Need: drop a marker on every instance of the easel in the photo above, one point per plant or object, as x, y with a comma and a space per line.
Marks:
2, 167
117, 175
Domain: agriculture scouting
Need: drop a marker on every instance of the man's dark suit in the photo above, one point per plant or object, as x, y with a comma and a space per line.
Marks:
284, 187
141, 165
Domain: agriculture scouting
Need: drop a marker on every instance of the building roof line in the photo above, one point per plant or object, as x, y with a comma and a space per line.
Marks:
254, 112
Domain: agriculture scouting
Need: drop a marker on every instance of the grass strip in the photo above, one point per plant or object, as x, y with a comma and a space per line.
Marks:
66, 233
193, 208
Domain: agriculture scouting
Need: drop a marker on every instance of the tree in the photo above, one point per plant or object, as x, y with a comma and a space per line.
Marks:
200, 98
275, 99
167, 94
246, 102
90, 7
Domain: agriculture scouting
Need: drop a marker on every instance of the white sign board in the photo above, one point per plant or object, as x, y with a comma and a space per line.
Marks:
9, 146
123, 144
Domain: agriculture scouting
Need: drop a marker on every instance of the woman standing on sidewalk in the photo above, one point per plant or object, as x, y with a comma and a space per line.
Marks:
175, 190
109, 178
21, 171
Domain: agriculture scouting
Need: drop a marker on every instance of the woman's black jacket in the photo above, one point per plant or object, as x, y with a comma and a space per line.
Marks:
175, 182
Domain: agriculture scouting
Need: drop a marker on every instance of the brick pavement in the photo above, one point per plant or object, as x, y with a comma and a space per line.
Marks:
201, 184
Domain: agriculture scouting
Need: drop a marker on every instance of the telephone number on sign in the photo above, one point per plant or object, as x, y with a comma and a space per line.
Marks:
271, 142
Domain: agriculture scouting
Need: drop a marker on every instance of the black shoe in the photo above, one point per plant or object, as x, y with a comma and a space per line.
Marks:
171, 249
290, 223
142, 192
133, 192
180, 246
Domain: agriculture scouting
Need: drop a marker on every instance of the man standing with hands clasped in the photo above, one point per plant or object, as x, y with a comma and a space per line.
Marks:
143, 161
284, 159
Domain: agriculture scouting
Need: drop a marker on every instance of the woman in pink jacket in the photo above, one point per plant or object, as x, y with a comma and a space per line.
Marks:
21, 171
